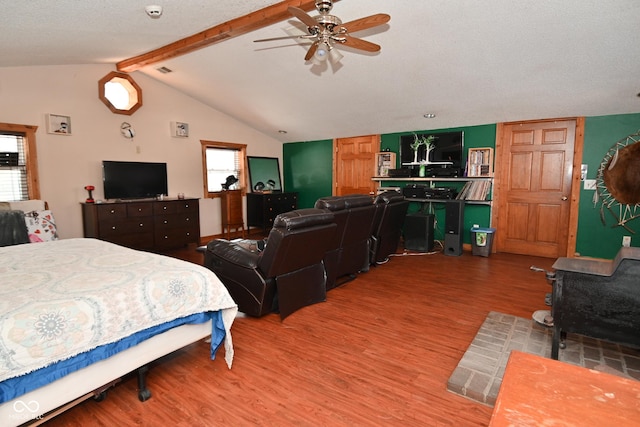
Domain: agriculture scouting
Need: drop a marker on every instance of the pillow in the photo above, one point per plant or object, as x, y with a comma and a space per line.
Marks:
41, 226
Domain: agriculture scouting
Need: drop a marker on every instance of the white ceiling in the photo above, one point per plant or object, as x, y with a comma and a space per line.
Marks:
467, 61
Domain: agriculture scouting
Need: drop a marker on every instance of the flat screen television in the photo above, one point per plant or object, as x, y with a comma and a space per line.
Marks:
133, 180
448, 151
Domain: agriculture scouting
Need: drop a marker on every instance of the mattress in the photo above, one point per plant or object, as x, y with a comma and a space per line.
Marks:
69, 303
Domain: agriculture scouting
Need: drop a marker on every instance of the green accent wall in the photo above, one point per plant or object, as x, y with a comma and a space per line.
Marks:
594, 238
307, 168
474, 137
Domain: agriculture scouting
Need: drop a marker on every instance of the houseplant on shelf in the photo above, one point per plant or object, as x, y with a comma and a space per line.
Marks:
419, 141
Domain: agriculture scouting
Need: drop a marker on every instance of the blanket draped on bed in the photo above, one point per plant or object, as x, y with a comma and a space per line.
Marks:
62, 298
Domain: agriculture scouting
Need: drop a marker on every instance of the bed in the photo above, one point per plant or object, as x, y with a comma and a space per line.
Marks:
78, 314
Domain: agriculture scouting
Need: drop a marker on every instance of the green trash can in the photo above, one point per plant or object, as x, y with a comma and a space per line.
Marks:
482, 240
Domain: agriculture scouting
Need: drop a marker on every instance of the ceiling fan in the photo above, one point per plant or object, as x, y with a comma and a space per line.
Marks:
327, 30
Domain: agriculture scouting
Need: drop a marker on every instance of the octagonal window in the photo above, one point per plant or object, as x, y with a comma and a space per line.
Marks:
120, 93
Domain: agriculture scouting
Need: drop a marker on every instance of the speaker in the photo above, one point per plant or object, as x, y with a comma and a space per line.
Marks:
453, 227
418, 232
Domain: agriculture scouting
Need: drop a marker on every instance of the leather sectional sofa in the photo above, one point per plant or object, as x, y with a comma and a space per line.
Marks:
308, 252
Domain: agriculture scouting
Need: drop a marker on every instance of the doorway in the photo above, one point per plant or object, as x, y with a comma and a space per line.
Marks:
537, 187
354, 164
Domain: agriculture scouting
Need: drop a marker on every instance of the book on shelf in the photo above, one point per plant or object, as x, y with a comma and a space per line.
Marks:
480, 162
475, 190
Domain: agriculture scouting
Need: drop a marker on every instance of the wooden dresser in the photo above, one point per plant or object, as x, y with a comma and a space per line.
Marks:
263, 208
146, 224
231, 206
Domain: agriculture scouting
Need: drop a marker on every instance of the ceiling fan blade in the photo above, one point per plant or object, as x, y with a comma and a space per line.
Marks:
361, 44
302, 36
366, 22
302, 16
311, 51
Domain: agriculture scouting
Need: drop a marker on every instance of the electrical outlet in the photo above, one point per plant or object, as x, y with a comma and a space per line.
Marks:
626, 241
589, 184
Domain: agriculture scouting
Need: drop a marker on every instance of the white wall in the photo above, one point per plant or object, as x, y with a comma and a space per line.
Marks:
67, 163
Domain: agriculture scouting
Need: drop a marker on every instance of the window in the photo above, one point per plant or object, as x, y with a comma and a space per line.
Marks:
120, 93
219, 161
18, 182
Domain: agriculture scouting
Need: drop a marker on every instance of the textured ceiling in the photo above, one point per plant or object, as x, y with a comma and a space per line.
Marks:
468, 62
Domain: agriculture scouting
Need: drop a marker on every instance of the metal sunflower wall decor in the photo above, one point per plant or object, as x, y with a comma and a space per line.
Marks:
618, 182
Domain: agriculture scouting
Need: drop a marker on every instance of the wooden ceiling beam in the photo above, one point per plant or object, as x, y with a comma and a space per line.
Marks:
236, 27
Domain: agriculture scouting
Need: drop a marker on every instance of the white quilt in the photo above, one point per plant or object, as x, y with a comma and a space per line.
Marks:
65, 297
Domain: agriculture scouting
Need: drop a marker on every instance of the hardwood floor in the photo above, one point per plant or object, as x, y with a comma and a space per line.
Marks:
379, 351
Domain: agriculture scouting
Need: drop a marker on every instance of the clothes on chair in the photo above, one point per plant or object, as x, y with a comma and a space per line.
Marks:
13, 228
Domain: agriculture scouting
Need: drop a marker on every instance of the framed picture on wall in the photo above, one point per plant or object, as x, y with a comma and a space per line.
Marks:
58, 125
180, 129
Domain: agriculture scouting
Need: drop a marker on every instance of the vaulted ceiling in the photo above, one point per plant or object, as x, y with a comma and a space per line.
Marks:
466, 61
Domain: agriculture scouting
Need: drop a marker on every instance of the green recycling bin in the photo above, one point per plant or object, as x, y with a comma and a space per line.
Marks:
482, 240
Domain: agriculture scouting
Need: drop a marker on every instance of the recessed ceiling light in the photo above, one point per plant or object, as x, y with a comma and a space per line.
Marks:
164, 70
429, 116
282, 131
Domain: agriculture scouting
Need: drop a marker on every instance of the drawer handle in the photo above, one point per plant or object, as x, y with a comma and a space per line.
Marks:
166, 237
188, 234
164, 207
139, 209
165, 221
112, 211
113, 227
141, 225
187, 205
187, 219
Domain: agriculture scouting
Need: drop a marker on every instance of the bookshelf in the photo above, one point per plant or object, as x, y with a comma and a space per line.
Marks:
384, 161
480, 162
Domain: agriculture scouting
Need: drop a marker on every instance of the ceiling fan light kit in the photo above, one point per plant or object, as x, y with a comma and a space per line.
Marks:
326, 31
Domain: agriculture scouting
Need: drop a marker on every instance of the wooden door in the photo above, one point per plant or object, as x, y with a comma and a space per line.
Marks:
535, 188
354, 164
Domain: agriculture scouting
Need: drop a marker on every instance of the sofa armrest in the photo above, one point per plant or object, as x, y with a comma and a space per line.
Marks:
233, 253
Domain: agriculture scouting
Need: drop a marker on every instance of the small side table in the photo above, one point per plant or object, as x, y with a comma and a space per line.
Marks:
231, 204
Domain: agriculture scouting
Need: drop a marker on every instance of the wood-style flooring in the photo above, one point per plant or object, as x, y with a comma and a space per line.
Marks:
378, 352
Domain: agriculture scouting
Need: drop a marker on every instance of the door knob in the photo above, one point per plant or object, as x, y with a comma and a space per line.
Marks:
565, 198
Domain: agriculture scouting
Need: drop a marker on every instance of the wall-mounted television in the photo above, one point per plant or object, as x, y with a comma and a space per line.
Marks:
264, 174
133, 180
447, 154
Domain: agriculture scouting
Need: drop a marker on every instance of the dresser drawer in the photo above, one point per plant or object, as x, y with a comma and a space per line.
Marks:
133, 240
111, 212
168, 207
139, 209
126, 226
187, 206
175, 221
176, 236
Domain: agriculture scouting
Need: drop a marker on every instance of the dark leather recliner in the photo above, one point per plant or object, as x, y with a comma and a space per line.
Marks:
287, 275
391, 209
349, 253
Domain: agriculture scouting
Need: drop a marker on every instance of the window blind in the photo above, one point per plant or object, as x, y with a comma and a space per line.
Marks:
221, 162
